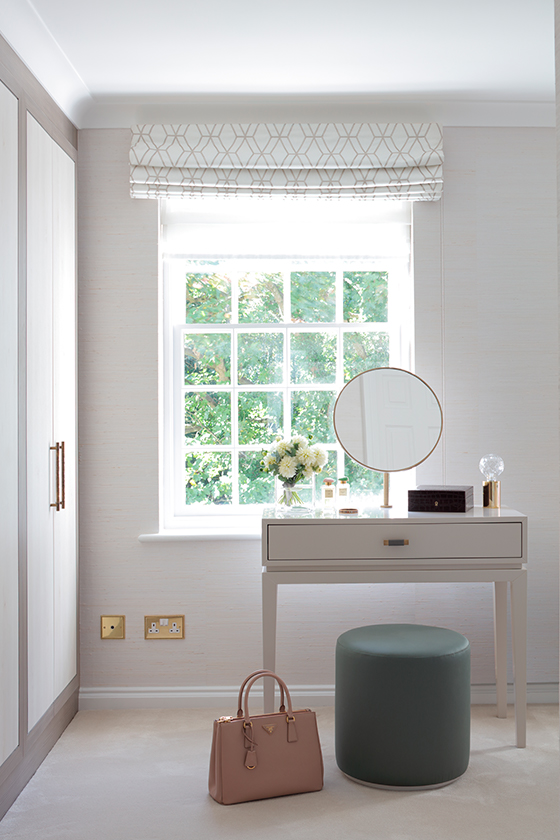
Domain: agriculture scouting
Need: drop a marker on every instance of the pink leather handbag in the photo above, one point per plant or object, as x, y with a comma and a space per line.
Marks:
260, 756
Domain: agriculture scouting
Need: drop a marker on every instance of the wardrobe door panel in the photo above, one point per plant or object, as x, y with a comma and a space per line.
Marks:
9, 588
41, 491
64, 404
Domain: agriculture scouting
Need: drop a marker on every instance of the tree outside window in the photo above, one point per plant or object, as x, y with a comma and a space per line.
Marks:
265, 353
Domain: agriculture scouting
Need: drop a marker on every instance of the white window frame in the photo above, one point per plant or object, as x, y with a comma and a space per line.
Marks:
244, 520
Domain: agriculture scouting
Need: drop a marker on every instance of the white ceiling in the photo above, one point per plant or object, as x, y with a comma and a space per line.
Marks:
108, 57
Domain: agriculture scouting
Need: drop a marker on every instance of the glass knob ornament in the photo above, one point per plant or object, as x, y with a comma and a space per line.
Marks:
491, 466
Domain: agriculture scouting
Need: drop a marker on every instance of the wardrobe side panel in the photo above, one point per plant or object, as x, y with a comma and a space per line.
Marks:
9, 588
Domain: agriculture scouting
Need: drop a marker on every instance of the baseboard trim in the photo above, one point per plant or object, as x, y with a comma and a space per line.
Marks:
220, 696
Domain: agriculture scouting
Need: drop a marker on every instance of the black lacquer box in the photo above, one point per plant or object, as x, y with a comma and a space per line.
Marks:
433, 498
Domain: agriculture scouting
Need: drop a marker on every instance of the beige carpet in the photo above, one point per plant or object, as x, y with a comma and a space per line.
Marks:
142, 775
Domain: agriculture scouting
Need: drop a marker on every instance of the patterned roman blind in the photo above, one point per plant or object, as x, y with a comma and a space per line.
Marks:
334, 160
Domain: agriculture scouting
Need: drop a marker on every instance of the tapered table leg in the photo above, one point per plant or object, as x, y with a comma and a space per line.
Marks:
500, 646
519, 639
269, 609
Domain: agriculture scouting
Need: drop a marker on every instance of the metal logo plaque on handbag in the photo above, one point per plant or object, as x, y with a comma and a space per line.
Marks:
260, 756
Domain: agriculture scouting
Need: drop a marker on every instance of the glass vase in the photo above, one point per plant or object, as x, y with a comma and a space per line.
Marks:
287, 495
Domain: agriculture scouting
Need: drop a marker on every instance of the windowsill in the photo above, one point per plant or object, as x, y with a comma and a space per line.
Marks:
210, 527
201, 534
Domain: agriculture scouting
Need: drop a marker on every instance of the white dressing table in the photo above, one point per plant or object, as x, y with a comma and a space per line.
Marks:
392, 546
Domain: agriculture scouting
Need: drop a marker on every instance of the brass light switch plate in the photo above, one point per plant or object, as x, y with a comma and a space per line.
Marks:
164, 626
112, 626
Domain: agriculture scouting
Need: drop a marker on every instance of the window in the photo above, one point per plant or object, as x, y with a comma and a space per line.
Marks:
259, 346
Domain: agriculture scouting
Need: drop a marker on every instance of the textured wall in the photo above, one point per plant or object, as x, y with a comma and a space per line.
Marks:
494, 348
486, 333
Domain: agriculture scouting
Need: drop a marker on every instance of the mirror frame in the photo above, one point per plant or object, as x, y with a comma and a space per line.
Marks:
376, 469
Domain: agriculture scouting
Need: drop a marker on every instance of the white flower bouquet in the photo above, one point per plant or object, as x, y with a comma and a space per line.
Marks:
293, 460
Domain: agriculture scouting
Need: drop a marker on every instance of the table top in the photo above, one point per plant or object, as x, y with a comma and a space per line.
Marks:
394, 514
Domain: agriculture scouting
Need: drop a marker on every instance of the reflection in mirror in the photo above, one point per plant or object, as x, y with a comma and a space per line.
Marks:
388, 419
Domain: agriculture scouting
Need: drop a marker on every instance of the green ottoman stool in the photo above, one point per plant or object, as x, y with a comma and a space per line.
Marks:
402, 705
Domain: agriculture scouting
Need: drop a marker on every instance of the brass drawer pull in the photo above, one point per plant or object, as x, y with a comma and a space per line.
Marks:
395, 542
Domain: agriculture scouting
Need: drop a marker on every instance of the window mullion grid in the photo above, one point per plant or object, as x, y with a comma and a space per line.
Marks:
234, 414
395, 355
178, 418
288, 388
287, 338
339, 384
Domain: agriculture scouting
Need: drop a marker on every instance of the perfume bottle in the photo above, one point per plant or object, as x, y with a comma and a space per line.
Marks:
343, 492
328, 491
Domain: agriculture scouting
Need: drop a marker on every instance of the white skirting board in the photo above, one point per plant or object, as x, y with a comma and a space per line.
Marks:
225, 696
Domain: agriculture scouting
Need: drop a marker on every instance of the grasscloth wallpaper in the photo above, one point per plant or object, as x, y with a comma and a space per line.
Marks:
486, 341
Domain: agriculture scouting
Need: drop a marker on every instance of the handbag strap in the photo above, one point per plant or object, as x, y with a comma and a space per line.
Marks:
283, 687
262, 672
249, 740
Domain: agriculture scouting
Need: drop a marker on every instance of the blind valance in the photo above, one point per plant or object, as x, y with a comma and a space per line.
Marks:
333, 160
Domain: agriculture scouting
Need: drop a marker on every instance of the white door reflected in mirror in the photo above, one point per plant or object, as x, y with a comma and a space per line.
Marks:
388, 419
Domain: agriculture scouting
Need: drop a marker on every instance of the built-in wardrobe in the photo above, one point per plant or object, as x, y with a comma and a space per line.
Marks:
38, 427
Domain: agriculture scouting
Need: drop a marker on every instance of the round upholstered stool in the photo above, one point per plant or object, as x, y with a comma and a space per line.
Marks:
402, 705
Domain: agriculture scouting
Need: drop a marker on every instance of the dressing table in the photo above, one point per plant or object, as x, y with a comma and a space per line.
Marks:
388, 546
389, 420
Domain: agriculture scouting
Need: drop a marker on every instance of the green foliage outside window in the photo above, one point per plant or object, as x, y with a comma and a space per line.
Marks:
208, 299
255, 487
363, 482
261, 298
249, 406
363, 351
313, 296
207, 418
312, 414
365, 296
208, 478
260, 416
207, 359
260, 358
312, 358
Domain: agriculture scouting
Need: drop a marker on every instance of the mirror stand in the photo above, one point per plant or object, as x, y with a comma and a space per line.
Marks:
386, 491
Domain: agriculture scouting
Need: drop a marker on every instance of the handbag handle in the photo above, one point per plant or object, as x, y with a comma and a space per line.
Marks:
283, 687
262, 672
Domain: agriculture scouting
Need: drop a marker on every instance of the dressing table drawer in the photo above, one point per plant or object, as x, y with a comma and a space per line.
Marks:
361, 541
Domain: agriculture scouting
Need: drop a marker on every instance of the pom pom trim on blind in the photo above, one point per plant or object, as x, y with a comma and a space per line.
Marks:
333, 160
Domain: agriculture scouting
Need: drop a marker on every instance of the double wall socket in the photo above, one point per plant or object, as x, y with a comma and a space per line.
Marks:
164, 626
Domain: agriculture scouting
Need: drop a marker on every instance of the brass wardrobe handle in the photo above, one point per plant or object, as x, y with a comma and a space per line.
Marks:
395, 542
63, 476
56, 448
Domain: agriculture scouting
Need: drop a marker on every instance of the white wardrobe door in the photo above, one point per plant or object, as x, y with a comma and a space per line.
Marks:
9, 611
64, 361
40, 459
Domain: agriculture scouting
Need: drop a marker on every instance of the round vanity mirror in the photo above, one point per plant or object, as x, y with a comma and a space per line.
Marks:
388, 419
